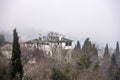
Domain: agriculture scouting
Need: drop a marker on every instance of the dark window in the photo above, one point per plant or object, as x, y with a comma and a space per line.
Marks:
66, 44
47, 43
70, 44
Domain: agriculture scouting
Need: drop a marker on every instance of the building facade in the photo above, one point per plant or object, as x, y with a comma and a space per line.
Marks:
49, 42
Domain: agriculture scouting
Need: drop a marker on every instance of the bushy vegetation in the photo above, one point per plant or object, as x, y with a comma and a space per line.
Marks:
84, 64
117, 75
58, 75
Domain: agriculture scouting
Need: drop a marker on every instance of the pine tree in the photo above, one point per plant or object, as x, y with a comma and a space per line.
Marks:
16, 67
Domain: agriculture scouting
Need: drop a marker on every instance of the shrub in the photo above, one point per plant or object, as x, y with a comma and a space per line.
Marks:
84, 62
57, 75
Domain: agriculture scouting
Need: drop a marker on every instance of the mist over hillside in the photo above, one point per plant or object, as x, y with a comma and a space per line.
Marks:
31, 34
8, 35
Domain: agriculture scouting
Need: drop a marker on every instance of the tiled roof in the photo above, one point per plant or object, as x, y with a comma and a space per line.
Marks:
34, 41
62, 40
66, 40
53, 39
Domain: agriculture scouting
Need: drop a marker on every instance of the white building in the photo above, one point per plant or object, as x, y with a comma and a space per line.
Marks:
49, 42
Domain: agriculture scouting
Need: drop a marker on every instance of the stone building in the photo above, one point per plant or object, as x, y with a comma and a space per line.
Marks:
49, 43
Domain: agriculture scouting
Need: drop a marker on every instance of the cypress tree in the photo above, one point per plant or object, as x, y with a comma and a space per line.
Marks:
117, 48
75, 47
17, 68
87, 46
113, 59
87, 42
106, 52
117, 54
78, 46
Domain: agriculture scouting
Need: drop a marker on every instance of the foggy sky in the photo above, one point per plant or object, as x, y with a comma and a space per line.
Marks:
77, 19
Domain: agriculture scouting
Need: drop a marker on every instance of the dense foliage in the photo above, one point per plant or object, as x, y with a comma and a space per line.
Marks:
16, 67
57, 75
84, 62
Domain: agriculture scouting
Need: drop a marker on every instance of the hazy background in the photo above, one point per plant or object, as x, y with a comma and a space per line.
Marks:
77, 19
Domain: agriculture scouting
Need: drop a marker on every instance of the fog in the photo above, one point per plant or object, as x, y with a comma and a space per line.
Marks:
77, 19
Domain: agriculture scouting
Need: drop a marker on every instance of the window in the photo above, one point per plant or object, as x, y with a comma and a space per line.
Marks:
68, 44
47, 43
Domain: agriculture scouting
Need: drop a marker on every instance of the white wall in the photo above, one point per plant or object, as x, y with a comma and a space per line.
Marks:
66, 47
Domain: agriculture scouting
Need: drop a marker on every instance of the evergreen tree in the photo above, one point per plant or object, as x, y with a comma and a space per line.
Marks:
117, 48
87, 42
78, 47
16, 67
113, 59
117, 54
87, 45
75, 47
113, 67
106, 51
